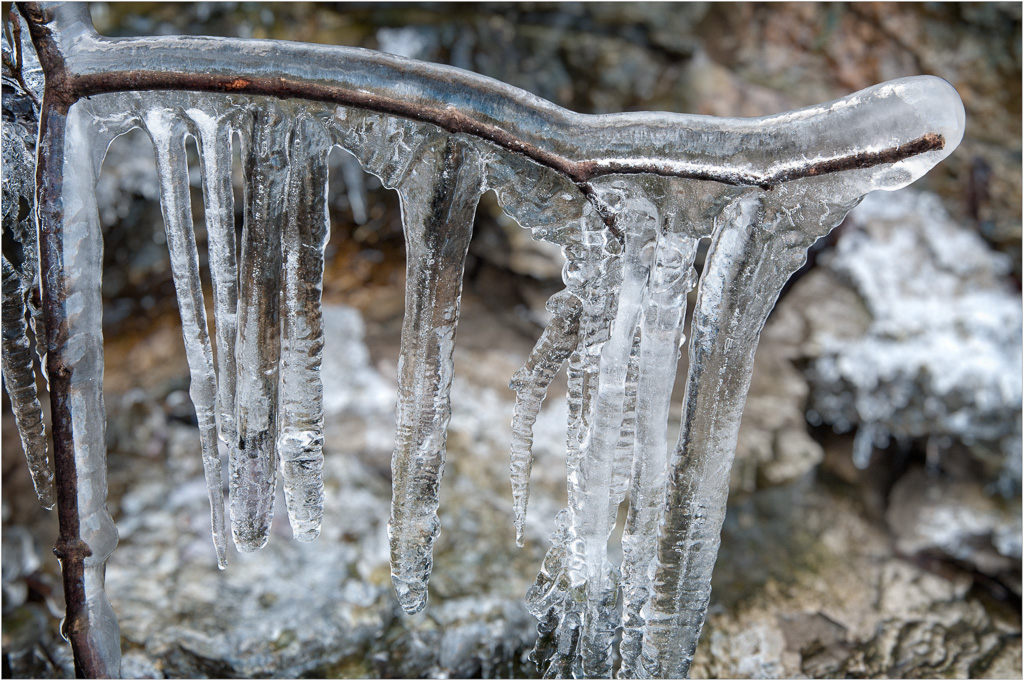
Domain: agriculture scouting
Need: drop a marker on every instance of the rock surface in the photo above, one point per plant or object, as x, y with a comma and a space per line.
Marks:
941, 356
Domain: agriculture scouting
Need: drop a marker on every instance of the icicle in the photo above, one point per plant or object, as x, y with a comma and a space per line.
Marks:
438, 197
214, 128
557, 597
253, 474
301, 416
20, 382
167, 129
623, 461
864, 445
531, 384
593, 519
761, 241
661, 333
355, 186
20, 272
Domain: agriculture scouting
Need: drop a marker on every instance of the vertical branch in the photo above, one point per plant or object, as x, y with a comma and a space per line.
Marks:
96, 647
91, 660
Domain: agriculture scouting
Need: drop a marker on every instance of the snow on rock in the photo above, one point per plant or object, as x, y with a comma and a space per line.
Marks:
941, 356
956, 519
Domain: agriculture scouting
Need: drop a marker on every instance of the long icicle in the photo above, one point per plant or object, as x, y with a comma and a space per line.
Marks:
20, 382
20, 276
214, 129
594, 519
759, 244
531, 383
167, 129
438, 197
253, 470
300, 441
661, 332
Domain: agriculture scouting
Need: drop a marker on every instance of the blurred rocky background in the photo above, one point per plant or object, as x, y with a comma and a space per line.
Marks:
874, 527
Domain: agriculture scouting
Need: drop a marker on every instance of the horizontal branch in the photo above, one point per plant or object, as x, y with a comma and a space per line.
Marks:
877, 127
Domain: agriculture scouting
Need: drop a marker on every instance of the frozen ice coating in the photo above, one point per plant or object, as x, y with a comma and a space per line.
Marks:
626, 196
88, 133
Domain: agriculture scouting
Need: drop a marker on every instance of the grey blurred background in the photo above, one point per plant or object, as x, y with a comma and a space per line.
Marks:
875, 519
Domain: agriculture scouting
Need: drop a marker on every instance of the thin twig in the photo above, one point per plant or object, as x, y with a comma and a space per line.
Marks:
14, 21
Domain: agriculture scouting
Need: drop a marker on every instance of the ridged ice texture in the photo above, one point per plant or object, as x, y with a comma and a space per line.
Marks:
213, 122
573, 588
90, 127
439, 196
20, 382
253, 466
622, 462
20, 278
167, 128
531, 385
301, 436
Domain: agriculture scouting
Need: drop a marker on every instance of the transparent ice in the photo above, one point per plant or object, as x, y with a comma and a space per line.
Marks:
762, 190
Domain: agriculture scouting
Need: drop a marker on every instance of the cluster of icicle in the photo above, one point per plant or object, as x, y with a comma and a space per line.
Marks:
618, 324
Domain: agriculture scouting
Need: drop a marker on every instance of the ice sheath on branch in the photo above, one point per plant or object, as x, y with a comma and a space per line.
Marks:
626, 196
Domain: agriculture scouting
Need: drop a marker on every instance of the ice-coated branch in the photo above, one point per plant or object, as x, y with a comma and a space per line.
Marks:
879, 126
70, 259
627, 196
